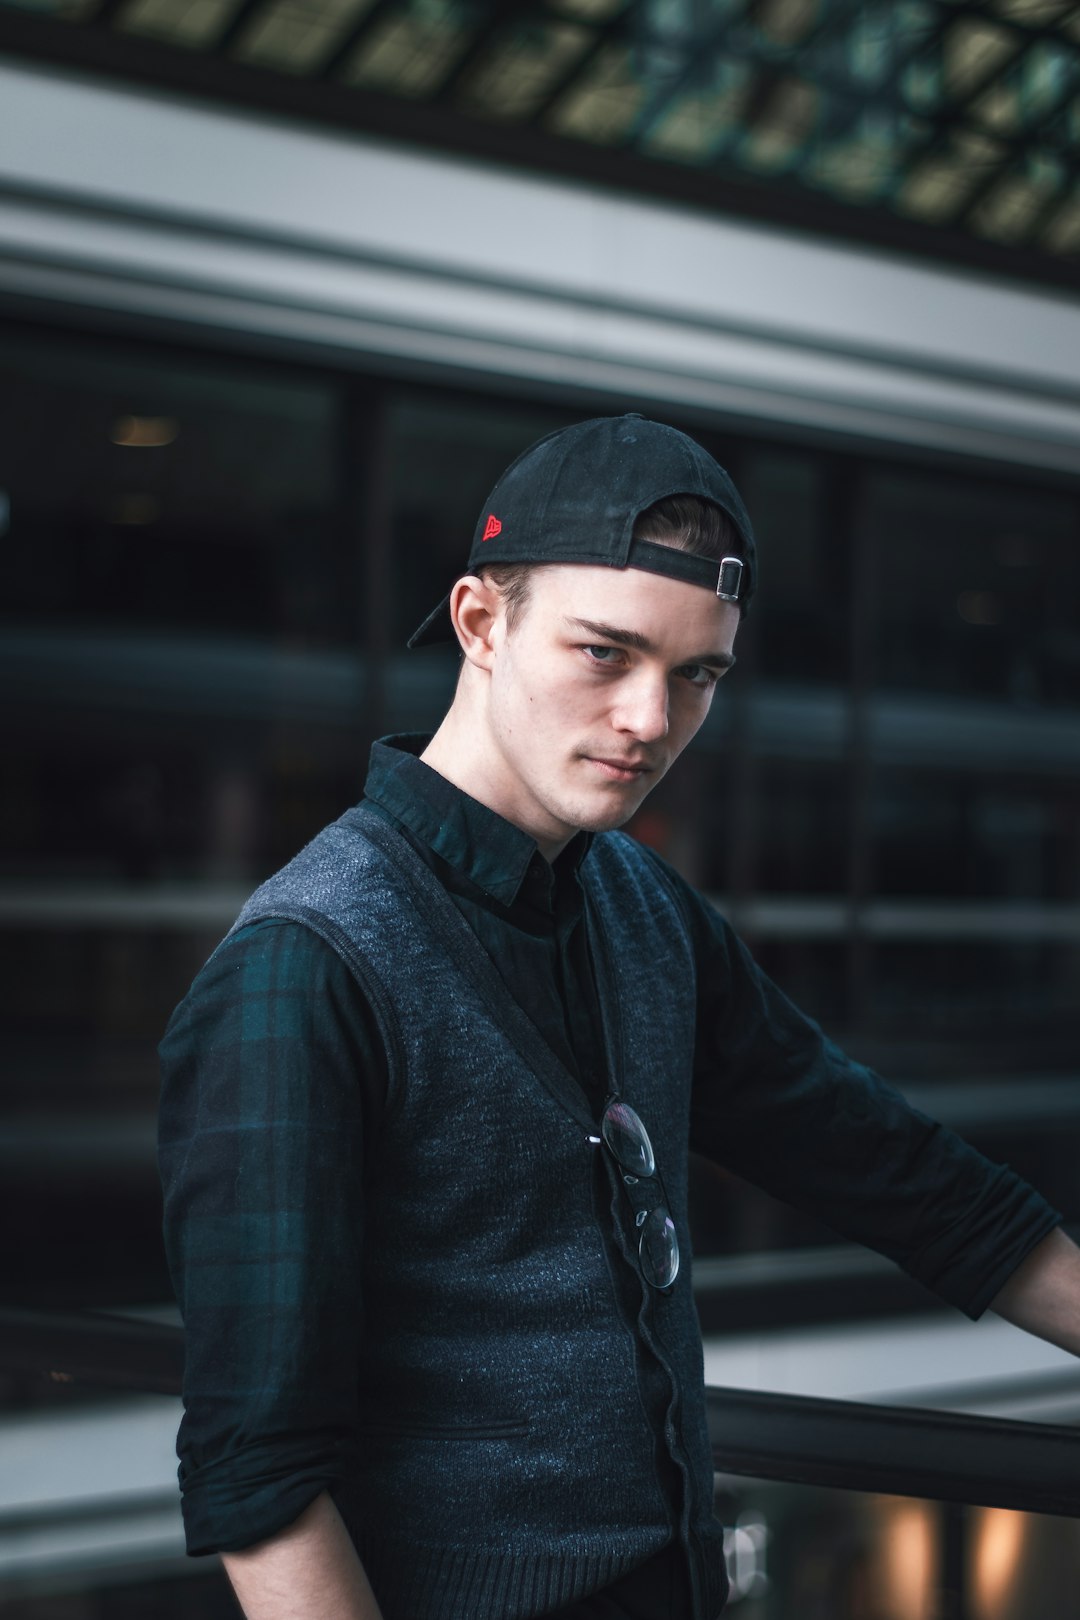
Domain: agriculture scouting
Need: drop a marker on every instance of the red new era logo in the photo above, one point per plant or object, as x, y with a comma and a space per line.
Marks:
491, 528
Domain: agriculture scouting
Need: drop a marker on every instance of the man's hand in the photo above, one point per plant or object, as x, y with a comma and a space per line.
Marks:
308, 1571
1043, 1293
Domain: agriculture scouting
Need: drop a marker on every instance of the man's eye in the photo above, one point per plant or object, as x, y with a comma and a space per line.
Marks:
699, 674
603, 655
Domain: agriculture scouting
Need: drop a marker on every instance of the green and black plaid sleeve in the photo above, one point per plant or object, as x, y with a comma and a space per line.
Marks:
273, 1077
780, 1104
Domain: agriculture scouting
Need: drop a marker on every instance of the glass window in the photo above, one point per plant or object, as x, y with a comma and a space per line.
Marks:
996, 1002
166, 493
180, 626
803, 610
801, 827
180, 654
977, 582
978, 835
445, 455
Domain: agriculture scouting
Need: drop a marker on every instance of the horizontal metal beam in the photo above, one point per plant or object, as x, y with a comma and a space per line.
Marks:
900, 1451
198, 906
93, 1348
233, 240
315, 101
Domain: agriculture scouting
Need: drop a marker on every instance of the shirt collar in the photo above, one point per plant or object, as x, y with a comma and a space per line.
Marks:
479, 843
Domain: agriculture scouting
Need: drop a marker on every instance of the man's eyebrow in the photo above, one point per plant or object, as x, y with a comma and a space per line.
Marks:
641, 643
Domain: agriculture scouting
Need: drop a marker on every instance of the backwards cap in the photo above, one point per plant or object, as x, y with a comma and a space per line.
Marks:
575, 495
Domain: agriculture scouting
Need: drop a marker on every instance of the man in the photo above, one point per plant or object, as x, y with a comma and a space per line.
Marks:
426, 1112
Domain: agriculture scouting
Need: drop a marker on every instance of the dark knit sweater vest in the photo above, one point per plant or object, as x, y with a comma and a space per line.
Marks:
531, 1420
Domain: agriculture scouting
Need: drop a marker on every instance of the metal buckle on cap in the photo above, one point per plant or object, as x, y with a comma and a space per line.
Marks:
729, 580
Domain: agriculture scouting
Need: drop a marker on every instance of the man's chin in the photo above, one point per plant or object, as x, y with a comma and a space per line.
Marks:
607, 816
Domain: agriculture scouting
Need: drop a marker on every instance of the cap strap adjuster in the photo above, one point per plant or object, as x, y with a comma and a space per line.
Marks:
729, 580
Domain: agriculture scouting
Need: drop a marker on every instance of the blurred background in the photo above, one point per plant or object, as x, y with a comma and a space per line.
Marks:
284, 284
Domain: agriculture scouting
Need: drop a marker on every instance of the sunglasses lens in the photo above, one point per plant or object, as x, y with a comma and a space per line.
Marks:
659, 1249
627, 1139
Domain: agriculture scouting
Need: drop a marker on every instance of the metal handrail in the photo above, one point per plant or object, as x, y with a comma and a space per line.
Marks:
896, 1450
92, 1347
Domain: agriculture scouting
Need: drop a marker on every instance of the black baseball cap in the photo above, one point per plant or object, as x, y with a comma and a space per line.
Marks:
575, 495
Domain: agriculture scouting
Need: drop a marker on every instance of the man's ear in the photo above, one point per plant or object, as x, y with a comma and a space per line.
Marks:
475, 610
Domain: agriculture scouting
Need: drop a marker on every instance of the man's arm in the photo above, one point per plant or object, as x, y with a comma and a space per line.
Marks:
308, 1571
777, 1102
1043, 1294
271, 1092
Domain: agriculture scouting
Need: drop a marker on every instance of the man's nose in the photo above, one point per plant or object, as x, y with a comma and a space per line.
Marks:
642, 709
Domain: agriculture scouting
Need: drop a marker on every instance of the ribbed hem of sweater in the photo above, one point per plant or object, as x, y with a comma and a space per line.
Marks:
448, 1583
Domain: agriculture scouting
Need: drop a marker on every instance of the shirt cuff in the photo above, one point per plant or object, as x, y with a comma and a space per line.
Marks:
237, 1501
972, 1279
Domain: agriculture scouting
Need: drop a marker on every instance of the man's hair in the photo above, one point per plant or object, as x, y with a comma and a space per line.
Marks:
691, 524
686, 522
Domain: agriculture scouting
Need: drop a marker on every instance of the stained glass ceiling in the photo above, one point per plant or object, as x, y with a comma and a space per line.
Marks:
940, 127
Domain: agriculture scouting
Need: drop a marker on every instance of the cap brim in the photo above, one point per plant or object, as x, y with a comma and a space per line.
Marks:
437, 627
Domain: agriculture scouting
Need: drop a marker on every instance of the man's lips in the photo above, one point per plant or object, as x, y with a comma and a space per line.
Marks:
621, 770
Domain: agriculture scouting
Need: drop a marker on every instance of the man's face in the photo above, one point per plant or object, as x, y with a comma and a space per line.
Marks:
596, 692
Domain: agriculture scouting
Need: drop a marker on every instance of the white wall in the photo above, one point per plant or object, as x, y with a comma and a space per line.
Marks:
143, 202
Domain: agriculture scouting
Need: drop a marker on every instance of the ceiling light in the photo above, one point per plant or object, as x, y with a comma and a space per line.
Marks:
144, 432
